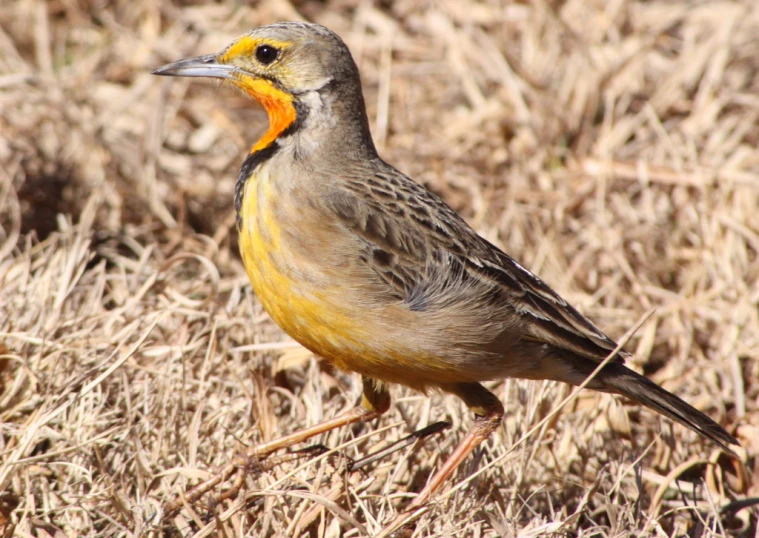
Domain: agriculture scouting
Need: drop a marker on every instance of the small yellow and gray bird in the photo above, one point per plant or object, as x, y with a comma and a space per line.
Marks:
371, 271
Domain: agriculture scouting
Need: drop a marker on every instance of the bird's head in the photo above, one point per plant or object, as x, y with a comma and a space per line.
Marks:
291, 69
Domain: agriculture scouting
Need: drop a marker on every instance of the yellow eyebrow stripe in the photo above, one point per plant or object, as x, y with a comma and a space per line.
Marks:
247, 45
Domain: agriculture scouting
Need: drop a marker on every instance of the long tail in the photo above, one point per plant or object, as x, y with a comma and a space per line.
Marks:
620, 379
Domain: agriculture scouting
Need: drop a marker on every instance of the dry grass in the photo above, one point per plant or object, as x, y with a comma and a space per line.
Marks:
610, 146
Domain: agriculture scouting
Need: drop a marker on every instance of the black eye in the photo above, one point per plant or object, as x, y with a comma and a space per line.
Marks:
266, 54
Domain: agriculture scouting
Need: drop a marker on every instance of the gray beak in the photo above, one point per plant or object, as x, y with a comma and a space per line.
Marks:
200, 66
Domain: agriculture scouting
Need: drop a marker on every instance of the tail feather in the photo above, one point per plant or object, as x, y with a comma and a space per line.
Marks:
620, 379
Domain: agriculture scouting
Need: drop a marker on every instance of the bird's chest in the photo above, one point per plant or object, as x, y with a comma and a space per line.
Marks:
309, 280
279, 242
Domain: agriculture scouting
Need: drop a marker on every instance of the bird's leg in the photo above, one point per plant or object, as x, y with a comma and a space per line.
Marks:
489, 412
375, 400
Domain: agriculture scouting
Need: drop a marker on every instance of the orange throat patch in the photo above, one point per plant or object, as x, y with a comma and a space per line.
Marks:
279, 106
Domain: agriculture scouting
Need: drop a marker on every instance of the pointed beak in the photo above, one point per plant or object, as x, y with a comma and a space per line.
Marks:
200, 66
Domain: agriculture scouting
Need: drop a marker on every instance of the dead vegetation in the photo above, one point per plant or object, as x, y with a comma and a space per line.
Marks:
609, 146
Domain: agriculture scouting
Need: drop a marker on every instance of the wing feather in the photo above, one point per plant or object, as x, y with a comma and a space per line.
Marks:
415, 243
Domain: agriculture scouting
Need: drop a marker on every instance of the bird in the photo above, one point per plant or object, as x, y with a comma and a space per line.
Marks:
376, 274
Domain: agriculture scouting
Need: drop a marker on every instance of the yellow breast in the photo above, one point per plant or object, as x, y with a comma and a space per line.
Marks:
312, 300
302, 307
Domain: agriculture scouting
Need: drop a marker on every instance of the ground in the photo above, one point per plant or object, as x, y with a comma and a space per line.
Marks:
611, 147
